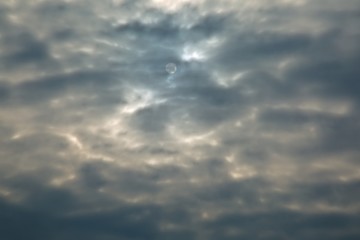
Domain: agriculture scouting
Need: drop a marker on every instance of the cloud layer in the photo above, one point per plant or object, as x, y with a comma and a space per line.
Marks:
255, 136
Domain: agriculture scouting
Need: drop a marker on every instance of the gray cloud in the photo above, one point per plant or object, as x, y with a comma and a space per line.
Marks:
255, 136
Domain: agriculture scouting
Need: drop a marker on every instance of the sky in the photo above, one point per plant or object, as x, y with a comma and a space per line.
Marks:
254, 133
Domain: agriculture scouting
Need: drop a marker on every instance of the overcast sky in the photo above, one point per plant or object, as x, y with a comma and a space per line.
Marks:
256, 135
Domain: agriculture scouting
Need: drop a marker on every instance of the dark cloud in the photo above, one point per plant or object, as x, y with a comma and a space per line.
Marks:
126, 222
249, 47
168, 30
47, 88
30, 51
282, 225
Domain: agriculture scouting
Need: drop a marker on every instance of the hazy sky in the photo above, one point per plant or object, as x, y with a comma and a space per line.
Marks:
255, 136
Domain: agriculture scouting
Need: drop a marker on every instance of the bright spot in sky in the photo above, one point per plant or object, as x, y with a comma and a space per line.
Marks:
170, 68
192, 55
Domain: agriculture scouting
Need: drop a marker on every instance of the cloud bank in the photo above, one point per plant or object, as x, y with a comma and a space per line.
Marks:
255, 136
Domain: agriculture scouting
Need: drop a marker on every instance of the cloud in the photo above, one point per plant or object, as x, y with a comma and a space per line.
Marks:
255, 136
